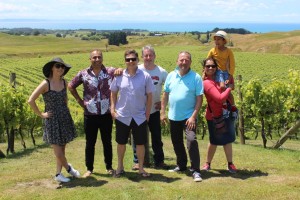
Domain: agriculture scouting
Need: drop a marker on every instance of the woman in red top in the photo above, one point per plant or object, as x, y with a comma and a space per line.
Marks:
215, 98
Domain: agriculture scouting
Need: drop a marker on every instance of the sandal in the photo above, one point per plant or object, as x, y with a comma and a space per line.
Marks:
87, 174
144, 174
118, 175
135, 167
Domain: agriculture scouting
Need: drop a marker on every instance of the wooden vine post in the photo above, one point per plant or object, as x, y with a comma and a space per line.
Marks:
291, 131
12, 79
241, 115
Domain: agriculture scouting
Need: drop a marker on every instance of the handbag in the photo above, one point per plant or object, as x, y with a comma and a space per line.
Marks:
219, 122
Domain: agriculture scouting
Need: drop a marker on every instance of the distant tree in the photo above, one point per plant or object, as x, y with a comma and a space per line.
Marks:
36, 33
207, 36
117, 38
85, 38
58, 35
233, 30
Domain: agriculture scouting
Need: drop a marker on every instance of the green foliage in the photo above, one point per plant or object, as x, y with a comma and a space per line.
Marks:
117, 38
15, 112
276, 104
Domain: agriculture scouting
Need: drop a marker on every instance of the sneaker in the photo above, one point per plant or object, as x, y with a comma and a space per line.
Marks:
61, 178
177, 169
206, 167
74, 172
197, 177
110, 171
191, 169
232, 169
162, 165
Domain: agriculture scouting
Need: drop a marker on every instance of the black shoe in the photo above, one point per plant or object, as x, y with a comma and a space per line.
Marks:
162, 165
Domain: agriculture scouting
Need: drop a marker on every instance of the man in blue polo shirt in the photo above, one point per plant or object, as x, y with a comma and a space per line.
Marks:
183, 90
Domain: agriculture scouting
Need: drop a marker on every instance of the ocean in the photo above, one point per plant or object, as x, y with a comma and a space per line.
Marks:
150, 26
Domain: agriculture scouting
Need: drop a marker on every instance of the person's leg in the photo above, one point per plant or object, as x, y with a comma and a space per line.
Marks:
193, 149
121, 148
91, 131
157, 144
105, 124
228, 152
139, 133
176, 129
135, 157
122, 133
61, 160
140, 152
211, 150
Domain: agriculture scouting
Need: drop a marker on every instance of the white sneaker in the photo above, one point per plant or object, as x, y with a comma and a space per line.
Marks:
74, 172
61, 178
197, 177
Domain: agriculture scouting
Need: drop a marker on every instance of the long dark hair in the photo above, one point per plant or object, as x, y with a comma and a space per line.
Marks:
204, 63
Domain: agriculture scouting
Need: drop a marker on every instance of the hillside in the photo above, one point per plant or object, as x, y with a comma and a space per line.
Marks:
274, 42
34, 46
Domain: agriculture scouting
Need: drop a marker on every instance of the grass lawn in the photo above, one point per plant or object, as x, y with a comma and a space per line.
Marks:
263, 174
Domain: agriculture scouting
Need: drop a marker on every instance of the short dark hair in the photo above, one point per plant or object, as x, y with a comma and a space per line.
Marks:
131, 51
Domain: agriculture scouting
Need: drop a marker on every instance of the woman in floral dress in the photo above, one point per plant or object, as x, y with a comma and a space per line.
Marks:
59, 127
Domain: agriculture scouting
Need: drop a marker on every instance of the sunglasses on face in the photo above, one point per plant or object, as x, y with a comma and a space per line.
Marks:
58, 65
210, 66
130, 59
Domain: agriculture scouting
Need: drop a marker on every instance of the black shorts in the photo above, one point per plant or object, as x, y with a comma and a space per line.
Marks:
139, 133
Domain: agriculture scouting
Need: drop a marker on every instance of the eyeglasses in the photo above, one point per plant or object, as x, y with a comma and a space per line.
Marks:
58, 65
130, 59
210, 66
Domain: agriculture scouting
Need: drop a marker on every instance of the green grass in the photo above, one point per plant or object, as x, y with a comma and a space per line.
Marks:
263, 174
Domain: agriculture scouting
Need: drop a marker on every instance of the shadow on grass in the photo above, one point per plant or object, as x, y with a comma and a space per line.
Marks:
136, 177
241, 174
27, 151
83, 182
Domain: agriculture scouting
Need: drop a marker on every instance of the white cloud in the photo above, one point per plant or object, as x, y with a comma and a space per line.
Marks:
155, 10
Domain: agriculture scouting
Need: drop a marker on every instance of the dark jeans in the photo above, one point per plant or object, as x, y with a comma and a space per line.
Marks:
157, 144
176, 129
91, 125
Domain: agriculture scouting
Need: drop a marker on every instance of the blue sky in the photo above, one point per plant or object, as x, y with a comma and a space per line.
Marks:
262, 11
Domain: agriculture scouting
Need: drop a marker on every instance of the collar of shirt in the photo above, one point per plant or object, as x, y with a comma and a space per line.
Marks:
127, 74
177, 71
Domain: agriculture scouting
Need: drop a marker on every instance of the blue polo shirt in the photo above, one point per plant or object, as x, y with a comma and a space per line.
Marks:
183, 91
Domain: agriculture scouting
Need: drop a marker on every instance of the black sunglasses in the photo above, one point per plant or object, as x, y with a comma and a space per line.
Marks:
210, 66
130, 59
58, 65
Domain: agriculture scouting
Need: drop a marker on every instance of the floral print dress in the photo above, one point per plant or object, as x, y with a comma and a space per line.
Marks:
59, 129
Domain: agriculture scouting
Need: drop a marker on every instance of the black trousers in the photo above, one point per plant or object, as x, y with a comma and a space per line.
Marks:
92, 123
176, 129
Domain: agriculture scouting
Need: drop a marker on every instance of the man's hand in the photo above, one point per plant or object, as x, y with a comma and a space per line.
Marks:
157, 105
118, 72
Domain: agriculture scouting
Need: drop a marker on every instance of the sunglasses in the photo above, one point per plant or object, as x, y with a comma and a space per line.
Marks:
210, 66
130, 59
58, 65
